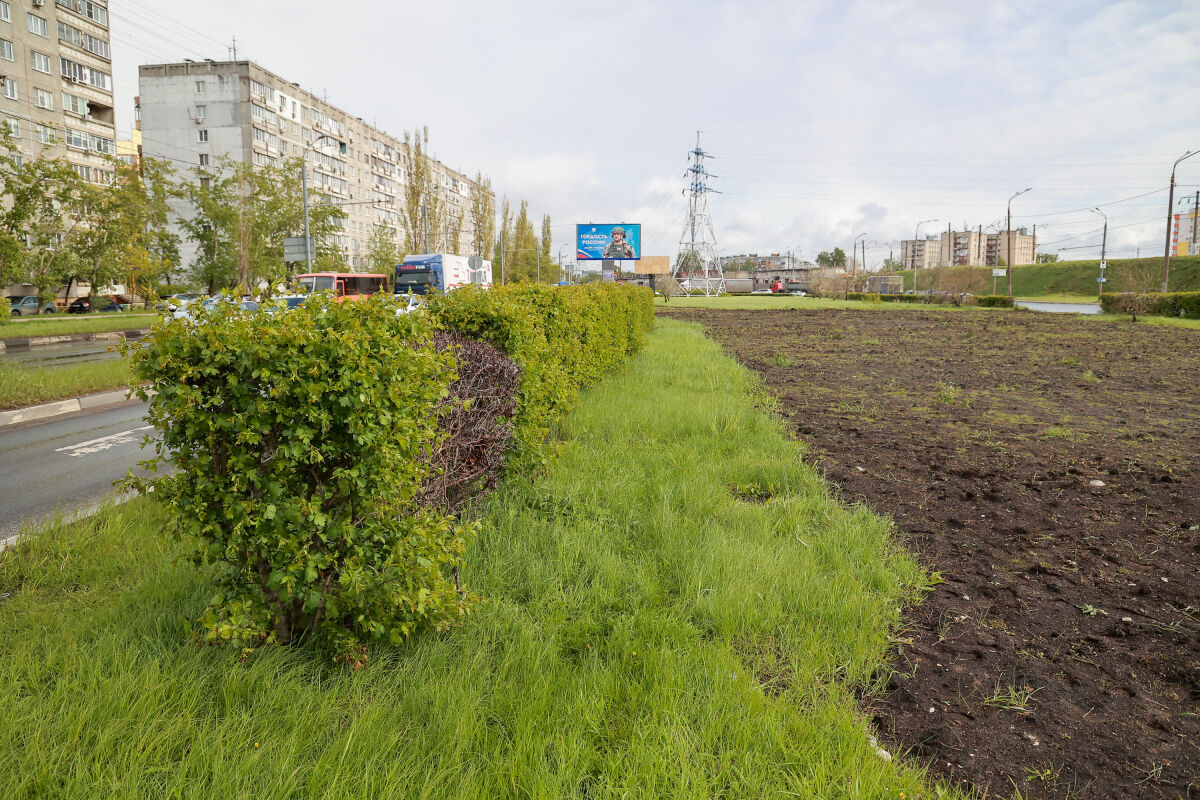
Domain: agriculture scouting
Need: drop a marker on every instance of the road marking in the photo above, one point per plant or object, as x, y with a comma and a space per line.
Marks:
103, 443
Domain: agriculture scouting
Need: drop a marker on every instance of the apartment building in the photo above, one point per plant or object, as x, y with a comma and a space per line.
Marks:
968, 249
195, 111
56, 91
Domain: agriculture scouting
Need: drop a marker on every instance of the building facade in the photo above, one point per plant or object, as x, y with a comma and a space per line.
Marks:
969, 249
193, 112
56, 92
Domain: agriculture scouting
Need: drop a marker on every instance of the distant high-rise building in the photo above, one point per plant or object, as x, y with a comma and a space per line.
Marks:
56, 92
194, 112
968, 249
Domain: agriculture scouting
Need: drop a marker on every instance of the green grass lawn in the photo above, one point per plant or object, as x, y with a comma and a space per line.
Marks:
57, 324
677, 608
754, 302
27, 386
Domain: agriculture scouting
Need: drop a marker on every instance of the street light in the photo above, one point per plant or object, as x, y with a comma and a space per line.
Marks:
1170, 211
1103, 251
308, 256
1008, 267
560, 262
854, 247
917, 238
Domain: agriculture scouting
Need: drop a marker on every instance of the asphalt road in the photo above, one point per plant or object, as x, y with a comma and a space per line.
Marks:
60, 355
68, 463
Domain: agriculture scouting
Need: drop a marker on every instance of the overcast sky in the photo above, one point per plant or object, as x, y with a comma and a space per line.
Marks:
825, 119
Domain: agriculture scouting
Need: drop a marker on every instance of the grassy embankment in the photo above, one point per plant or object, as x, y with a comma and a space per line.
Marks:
763, 302
677, 608
27, 386
60, 324
1070, 281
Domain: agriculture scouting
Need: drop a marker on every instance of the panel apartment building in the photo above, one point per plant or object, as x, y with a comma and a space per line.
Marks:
968, 249
56, 93
194, 111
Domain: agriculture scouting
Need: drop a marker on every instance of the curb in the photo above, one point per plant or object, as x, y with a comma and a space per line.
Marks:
30, 342
60, 407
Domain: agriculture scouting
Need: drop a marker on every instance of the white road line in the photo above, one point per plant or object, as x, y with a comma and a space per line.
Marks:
103, 443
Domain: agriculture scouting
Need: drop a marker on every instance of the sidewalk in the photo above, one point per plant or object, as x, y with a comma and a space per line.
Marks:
30, 342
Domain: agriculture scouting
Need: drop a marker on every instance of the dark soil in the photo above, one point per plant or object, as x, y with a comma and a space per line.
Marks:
1048, 469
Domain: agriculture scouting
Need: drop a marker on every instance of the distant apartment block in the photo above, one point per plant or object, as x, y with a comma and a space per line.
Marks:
194, 112
56, 92
968, 249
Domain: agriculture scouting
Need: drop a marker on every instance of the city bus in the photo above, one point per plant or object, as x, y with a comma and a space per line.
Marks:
344, 285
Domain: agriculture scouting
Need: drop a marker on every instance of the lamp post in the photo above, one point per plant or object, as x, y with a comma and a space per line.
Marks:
1170, 211
560, 262
1008, 267
308, 255
917, 238
1103, 251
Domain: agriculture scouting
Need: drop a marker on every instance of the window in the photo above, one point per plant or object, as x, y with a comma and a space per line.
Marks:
201, 112
40, 62
202, 135
45, 134
71, 34
44, 99
77, 139
6, 50
199, 87
205, 183
102, 145
14, 127
5, 12
263, 114
10, 89
262, 90
36, 24
204, 159
86, 9
78, 73
76, 105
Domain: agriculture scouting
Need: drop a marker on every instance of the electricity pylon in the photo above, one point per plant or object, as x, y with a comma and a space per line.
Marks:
697, 270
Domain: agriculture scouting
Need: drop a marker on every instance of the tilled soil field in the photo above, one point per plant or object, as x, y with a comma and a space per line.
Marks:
1048, 469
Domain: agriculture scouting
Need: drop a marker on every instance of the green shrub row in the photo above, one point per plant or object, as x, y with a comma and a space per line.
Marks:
301, 447
994, 301
1158, 304
564, 338
5, 310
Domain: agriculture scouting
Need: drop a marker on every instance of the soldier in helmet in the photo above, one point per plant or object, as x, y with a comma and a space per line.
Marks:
618, 248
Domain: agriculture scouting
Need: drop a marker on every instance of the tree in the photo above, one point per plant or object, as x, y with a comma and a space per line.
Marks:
422, 212
524, 259
892, 264
383, 252
483, 215
1137, 278
1047, 258
241, 215
501, 262
549, 268
835, 259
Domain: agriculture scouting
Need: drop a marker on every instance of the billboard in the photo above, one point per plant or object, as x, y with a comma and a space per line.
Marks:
595, 242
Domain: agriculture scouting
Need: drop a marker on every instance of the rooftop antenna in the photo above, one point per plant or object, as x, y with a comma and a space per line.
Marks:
697, 269
234, 48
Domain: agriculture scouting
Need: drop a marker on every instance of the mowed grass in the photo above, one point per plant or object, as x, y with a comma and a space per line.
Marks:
752, 302
25, 386
60, 324
677, 608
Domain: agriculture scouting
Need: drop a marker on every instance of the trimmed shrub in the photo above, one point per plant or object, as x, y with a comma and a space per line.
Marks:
994, 301
900, 298
300, 447
869, 297
5, 310
563, 338
1159, 304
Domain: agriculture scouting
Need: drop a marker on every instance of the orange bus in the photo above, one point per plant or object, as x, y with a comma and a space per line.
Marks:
344, 285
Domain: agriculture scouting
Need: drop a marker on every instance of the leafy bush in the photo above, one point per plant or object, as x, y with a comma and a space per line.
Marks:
870, 297
900, 298
563, 338
5, 311
299, 443
994, 301
1159, 304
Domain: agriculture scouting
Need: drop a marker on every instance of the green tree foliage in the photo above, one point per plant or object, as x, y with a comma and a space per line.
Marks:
483, 216
1047, 258
422, 215
835, 259
502, 260
525, 255
550, 269
241, 215
298, 444
383, 252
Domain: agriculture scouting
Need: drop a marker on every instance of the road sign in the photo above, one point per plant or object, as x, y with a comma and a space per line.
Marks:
1101, 280
1103, 265
999, 273
294, 249
474, 262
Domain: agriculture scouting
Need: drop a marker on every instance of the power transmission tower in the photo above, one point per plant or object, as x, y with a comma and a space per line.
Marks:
697, 270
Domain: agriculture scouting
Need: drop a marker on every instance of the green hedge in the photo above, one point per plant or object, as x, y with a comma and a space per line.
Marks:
900, 298
994, 301
5, 310
1158, 304
564, 338
301, 447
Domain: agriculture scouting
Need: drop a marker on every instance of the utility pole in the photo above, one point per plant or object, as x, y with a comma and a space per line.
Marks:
1170, 212
916, 239
1195, 214
1009, 265
502, 272
1103, 252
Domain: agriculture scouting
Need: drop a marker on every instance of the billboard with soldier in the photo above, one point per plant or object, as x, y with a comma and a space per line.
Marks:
596, 242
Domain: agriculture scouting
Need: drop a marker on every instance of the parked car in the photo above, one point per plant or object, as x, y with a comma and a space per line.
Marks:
27, 306
83, 305
283, 302
174, 300
798, 293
